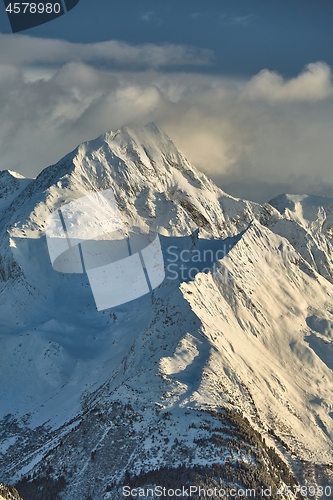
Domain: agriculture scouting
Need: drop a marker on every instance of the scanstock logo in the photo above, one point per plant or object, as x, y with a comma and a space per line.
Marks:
25, 15
87, 235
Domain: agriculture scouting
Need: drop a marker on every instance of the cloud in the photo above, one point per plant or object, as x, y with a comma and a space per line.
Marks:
242, 20
26, 50
313, 84
147, 16
255, 147
238, 20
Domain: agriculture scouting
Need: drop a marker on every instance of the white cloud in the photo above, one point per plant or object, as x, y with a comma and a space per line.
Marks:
25, 50
313, 84
257, 146
242, 20
237, 20
148, 16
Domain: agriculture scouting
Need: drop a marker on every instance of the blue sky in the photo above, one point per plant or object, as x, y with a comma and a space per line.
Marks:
245, 35
243, 87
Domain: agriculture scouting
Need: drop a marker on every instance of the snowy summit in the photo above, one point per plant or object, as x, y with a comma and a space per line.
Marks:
227, 364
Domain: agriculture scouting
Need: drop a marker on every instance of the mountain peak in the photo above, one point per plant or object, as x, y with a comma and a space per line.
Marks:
10, 175
305, 209
16, 175
147, 140
149, 129
243, 321
290, 201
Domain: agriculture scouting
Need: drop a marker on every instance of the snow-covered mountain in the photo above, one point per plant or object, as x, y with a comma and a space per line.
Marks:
308, 225
223, 371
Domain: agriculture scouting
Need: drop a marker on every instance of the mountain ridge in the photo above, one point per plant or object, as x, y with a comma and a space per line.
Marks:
239, 337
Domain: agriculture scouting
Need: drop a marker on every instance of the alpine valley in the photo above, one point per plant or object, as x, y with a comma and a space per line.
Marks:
221, 377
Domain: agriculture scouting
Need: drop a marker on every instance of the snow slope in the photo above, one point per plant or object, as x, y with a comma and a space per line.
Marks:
243, 321
308, 225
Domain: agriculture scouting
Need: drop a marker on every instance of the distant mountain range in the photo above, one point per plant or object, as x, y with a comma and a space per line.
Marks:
220, 377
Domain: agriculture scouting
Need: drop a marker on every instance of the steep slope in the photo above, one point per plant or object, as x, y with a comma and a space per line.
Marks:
308, 225
227, 364
11, 185
275, 352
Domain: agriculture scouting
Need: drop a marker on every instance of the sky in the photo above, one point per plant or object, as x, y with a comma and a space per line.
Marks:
243, 87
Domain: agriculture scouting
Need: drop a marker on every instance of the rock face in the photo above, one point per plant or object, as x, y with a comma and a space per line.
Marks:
220, 376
